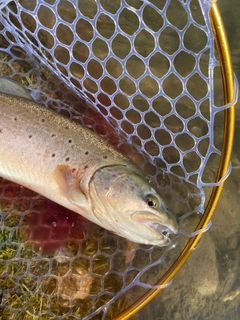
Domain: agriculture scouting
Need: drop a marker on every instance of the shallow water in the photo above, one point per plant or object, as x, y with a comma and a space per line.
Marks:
208, 286
209, 279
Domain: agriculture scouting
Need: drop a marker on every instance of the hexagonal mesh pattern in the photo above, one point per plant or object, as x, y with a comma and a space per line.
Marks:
140, 74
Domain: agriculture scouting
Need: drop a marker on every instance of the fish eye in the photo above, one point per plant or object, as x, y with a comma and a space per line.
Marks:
152, 201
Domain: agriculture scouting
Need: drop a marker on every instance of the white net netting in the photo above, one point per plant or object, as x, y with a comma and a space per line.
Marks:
141, 75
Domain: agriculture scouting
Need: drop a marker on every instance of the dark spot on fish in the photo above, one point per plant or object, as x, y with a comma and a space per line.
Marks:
30, 136
73, 170
15, 118
53, 155
69, 141
53, 135
43, 120
67, 159
86, 153
85, 167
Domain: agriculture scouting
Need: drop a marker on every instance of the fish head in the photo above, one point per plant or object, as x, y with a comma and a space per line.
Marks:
124, 201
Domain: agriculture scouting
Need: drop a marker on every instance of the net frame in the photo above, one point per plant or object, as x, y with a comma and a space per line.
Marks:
229, 87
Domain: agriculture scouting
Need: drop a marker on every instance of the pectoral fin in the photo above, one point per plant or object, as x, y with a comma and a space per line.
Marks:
69, 186
13, 88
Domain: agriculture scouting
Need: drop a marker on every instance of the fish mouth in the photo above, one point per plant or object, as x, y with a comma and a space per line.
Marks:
160, 228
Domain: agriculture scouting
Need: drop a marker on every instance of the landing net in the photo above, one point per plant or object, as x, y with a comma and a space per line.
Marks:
143, 75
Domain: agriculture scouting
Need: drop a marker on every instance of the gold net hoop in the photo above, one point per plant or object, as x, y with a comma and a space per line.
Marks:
229, 126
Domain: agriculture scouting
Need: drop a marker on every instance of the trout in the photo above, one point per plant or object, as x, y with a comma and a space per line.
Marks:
72, 166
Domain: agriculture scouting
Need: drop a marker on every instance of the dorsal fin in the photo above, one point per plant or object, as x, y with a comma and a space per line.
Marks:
13, 88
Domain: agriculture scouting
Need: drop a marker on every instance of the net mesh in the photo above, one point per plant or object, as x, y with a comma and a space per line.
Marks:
142, 75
